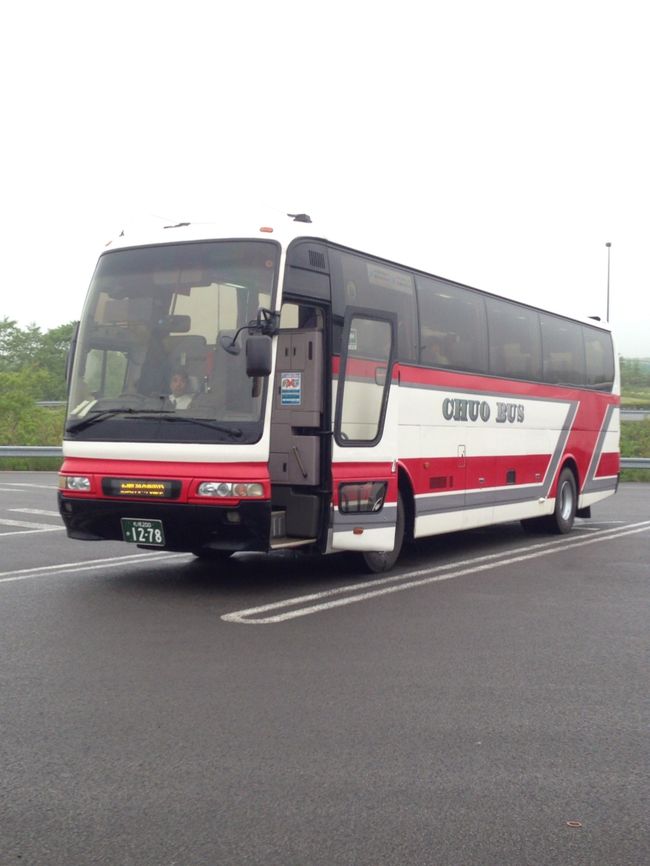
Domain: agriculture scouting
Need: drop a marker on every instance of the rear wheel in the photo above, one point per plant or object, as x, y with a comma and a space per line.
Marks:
566, 503
376, 561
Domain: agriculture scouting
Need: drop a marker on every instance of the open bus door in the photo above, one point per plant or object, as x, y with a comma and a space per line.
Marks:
298, 431
367, 515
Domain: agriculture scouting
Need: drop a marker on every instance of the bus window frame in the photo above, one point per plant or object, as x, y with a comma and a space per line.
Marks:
378, 316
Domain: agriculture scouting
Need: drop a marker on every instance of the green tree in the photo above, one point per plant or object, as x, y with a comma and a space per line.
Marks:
32, 349
51, 356
22, 422
634, 373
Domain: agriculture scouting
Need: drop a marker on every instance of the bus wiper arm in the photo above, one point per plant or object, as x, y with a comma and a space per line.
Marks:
233, 432
108, 413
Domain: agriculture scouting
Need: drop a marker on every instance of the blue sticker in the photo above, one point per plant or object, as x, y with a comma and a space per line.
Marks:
290, 389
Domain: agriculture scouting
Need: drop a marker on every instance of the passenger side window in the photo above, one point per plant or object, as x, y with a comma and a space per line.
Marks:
452, 326
563, 351
360, 281
515, 340
599, 358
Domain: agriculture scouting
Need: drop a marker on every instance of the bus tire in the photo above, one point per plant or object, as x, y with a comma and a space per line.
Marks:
566, 504
376, 561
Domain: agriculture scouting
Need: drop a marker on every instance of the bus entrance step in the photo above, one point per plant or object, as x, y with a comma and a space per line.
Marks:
286, 542
279, 523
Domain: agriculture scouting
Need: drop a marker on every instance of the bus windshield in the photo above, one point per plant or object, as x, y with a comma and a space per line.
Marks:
152, 342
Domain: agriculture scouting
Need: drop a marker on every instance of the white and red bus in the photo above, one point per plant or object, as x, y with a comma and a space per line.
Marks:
339, 401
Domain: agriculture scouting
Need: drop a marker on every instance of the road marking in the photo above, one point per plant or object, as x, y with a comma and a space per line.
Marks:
34, 511
422, 577
88, 565
608, 522
37, 527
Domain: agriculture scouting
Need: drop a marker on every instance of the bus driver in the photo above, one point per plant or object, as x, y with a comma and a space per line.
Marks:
179, 386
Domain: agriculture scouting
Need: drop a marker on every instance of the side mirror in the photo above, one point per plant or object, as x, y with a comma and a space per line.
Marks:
258, 355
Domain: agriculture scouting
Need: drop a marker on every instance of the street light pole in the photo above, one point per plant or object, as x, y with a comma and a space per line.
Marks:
609, 248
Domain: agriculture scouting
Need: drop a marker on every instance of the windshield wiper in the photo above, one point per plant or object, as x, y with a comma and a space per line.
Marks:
108, 413
233, 432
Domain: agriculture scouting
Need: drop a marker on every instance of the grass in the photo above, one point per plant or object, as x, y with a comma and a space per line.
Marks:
30, 464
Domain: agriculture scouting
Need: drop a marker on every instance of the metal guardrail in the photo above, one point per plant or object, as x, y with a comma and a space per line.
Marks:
635, 462
57, 451
31, 451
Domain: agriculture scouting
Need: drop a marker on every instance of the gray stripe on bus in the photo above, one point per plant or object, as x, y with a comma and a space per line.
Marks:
483, 498
386, 517
591, 483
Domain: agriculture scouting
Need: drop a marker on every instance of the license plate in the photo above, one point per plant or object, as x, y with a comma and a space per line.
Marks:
143, 531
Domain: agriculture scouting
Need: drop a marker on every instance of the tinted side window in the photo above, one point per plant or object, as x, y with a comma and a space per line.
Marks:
599, 357
453, 330
563, 350
359, 281
515, 340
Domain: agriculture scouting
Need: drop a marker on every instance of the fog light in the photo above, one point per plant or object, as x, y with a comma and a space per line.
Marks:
233, 517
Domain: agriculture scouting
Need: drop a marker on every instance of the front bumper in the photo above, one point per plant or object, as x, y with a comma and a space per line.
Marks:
187, 527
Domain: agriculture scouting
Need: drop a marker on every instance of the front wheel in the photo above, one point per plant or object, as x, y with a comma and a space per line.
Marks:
376, 561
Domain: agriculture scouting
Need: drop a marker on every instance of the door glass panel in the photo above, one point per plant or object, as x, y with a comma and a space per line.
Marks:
364, 381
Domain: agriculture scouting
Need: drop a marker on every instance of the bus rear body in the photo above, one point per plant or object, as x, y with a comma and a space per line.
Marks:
395, 404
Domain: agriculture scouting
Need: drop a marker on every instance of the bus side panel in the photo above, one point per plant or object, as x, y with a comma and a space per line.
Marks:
483, 451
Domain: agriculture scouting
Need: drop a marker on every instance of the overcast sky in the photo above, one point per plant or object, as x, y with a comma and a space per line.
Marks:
501, 144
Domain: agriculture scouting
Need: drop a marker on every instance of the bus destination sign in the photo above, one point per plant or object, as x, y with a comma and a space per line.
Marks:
141, 488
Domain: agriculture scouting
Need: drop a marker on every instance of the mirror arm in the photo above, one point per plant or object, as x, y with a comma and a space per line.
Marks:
267, 322
230, 344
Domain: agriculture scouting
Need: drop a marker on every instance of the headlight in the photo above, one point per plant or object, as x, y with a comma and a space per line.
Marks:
231, 489
75, 482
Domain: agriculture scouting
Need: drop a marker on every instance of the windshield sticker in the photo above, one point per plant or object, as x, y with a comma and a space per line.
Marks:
291, 389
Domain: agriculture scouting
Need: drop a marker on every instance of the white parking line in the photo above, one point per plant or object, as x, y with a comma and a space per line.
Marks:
41, 527
411, 580
88, 565
34, 511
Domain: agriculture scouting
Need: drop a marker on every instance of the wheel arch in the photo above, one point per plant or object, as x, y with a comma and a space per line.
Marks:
406, 488
569, 462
